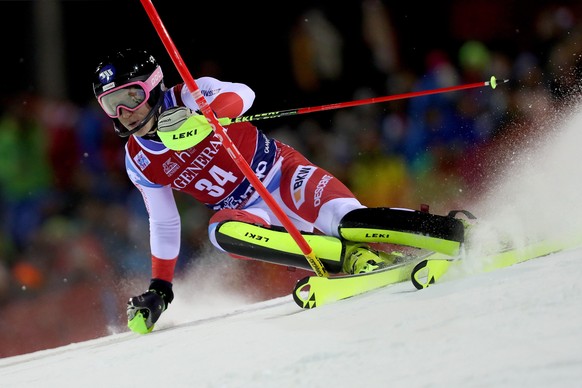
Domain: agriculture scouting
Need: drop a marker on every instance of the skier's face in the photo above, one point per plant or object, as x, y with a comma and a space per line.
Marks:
131, 119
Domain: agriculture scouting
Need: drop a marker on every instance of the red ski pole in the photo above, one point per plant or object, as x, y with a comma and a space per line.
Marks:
374, 100
227, 143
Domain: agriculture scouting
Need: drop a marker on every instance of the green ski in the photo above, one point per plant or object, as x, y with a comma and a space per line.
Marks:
430, 270
315, 291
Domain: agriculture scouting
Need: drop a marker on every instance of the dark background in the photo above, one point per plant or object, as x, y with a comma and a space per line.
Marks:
250, 42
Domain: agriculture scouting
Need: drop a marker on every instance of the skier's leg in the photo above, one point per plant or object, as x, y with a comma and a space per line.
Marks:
245, 236
275, 245
403, 227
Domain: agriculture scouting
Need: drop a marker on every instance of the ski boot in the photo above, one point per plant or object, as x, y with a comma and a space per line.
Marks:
360, 258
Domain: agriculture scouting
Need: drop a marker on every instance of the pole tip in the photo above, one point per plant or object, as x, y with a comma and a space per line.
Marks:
493, 82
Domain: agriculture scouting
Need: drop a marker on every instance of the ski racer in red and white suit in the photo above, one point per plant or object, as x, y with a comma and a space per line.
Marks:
310, 196
129, 87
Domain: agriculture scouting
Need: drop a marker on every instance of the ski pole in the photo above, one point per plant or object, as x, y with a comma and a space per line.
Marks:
173, 140
234, 153
374, 100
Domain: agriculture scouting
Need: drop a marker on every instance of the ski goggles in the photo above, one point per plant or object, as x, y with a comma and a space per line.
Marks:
131, 96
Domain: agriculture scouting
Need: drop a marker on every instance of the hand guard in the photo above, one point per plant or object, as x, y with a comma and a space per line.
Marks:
144, 310
180, 129
173, 118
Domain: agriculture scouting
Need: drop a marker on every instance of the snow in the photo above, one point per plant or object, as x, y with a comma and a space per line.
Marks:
518, 326
513, 327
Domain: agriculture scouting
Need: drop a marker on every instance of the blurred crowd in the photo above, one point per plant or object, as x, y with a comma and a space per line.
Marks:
69, 215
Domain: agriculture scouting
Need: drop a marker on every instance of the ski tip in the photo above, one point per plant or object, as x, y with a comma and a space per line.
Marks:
428, 271
418, 275
303, 295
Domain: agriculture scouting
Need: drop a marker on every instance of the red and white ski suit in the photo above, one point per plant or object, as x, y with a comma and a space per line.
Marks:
311, 197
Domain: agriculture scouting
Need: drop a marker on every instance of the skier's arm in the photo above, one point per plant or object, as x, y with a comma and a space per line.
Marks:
144, 310
226, 99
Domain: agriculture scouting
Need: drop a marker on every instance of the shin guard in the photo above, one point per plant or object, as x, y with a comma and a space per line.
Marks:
275, 245
412, 228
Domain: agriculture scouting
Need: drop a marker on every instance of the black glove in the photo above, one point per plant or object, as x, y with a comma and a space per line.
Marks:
144, 310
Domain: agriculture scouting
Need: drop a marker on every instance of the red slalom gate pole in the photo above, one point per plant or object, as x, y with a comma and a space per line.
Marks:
227, 143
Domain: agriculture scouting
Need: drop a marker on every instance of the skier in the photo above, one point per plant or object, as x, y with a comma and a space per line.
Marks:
129, 87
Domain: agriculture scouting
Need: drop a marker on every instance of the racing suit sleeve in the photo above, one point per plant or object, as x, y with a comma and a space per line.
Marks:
165, 227
226, 99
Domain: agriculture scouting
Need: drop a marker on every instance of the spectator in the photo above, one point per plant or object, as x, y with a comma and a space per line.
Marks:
25, 175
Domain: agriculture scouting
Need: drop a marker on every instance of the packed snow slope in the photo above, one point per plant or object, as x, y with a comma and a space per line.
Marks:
515, 327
